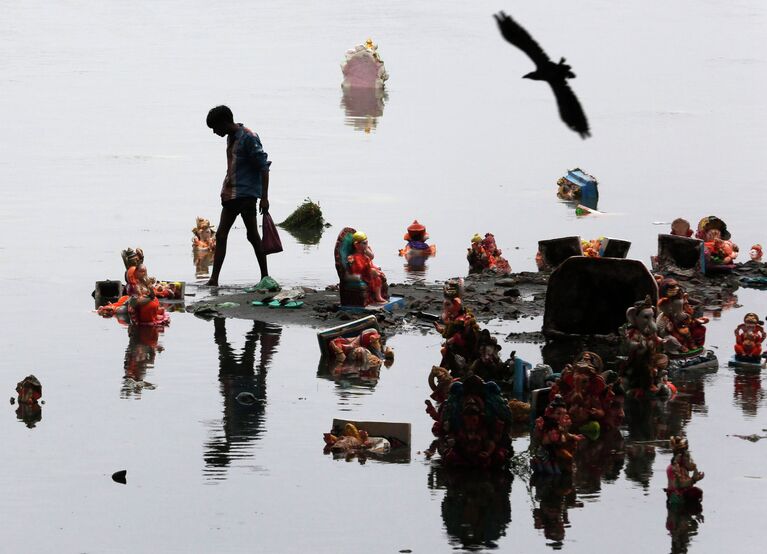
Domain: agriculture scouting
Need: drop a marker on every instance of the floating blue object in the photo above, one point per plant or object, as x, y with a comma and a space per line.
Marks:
589, 193
754, 282
521, 370
744, 366
394, 301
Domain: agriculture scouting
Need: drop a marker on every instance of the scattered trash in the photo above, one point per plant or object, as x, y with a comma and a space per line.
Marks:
120, 476
539, 376
138, 385
227, 305
284, 303
287, 298
202, 309
246, 398
520, 411
581, 210
266, 284
754, 282
751, 438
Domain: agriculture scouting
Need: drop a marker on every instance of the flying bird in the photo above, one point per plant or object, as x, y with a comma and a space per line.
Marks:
555, 74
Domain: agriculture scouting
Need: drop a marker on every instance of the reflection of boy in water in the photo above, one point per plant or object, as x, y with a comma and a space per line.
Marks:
237, 374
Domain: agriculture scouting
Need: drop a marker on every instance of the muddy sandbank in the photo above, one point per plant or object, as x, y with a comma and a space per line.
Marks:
489, 295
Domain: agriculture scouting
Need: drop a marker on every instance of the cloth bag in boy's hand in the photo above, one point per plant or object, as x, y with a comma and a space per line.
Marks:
271, 241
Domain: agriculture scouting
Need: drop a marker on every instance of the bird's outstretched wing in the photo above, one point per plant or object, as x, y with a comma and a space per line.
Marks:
569, 108
516, 35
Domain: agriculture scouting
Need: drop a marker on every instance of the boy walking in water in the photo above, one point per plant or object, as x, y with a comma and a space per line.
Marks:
247, 180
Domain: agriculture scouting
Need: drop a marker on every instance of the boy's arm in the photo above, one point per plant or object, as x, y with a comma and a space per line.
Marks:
261, 161
264, 207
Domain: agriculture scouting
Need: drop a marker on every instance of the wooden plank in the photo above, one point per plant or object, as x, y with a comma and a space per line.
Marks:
399, 431
350, 329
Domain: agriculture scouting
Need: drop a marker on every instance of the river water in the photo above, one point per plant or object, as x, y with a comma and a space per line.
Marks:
103, 145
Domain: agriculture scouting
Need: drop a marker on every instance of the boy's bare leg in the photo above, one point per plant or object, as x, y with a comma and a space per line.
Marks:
222, 234
251, 224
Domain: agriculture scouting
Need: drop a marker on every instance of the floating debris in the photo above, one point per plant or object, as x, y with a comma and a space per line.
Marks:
750, 438
307, 216
138, 385
246, 398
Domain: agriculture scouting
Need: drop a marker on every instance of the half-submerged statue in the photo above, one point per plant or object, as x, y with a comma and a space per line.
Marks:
416, 246
361, 281
684, 334
592, 404
204, 235
364, 348
484, 254
459, 328
29, 391
353, 441
552, 443
680, 227
682, 331
644, 349
749, 337
473, 426
682, 475
363, 67
592, 247
578, 186
720, 251
755, 253
141, 303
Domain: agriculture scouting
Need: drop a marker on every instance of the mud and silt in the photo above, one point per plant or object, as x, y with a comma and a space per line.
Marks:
488, 295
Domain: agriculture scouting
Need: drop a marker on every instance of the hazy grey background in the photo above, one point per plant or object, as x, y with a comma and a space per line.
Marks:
103, 145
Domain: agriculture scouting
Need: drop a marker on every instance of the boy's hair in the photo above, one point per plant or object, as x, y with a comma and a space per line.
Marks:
219, 117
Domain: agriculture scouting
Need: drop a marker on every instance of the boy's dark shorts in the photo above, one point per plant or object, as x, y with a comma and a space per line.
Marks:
243, 206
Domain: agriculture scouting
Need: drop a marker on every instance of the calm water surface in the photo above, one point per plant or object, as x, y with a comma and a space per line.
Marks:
103, 146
